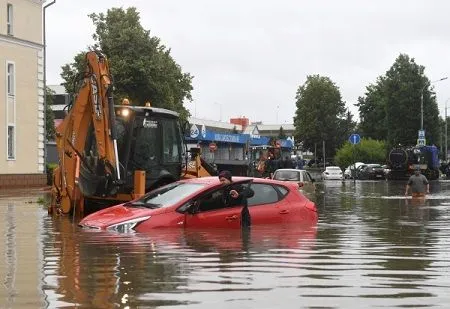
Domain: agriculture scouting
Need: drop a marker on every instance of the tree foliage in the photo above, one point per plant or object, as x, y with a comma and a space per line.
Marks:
367, 151
391, 110
143, 68
49, 115
281, 134
321, 115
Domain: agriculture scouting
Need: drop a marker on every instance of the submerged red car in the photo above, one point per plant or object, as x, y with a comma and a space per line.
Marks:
198, 203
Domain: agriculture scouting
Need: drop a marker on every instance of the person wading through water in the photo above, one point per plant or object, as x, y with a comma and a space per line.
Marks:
418, 183
237, 195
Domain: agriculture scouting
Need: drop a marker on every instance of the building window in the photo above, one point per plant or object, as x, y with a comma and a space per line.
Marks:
11, 142
10, 79
9, 19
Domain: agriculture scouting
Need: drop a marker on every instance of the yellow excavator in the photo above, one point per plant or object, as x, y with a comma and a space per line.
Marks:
114, 153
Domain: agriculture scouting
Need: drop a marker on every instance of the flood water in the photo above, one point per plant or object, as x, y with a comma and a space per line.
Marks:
370, 248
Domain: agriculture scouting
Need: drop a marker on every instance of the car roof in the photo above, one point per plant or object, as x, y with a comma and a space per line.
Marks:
288, 170
212, 181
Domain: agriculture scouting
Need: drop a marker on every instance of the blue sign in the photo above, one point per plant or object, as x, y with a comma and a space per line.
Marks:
421, 134
354, 139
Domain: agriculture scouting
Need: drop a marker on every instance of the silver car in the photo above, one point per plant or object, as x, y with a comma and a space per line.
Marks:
332, 172
301, 177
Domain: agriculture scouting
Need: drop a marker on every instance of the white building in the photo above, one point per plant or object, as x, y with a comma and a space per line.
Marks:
22, 93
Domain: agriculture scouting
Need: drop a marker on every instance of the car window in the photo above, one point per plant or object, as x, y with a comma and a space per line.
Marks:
307, 177
334, 169
264, 194
283, 190
211, 201
287, 175
219, 198
171, 194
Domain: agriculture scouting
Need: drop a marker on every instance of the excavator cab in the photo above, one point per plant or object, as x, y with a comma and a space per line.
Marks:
149, 139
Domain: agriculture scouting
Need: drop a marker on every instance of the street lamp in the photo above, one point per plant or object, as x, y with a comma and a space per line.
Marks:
220, 110
421, 100
445, 155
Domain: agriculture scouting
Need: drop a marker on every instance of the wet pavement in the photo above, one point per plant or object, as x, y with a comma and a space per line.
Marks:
371, 248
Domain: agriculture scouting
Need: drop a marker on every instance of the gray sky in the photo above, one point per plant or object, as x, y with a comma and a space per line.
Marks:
248, 57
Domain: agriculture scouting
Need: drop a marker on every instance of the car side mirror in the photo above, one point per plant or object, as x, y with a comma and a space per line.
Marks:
313, 180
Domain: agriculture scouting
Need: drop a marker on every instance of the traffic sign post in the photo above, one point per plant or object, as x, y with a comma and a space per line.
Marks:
354, 139
421, 134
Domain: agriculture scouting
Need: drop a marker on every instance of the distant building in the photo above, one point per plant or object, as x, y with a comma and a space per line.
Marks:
22, 87
231, 140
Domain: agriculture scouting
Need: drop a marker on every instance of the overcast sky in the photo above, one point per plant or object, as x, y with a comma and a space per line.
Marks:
248, 57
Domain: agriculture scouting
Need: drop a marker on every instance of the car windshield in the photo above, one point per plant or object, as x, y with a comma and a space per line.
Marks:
333, 169
169, 195
287, 175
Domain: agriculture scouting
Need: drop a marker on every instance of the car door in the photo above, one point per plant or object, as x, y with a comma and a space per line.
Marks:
213, 210
268, 206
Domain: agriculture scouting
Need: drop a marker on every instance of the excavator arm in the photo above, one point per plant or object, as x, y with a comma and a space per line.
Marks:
86, 140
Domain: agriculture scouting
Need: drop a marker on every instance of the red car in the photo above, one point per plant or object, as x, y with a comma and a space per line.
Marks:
199, 203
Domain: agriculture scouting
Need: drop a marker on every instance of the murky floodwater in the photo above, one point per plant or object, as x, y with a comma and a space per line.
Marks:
370, 248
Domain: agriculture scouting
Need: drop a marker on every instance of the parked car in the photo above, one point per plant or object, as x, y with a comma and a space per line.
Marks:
193, 203
370, 171
301, 177
332, 172
350, 171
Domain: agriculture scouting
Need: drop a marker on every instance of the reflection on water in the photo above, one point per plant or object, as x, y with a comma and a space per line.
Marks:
371, 247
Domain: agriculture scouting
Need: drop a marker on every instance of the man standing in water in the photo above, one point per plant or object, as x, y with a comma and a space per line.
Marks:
239, 195
418, 183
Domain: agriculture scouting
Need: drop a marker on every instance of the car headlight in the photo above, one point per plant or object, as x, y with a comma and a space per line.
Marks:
126, 226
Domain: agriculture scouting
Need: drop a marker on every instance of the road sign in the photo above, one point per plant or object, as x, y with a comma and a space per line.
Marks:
421, 142
421, 134
212, 147
354, 139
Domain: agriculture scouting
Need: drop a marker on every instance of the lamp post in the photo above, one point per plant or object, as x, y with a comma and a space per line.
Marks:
445, 135
278, 108
220, 110
421, 99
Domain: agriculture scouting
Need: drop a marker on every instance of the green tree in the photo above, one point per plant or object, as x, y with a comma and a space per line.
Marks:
372, 111
319, 115
143, 68
49, 115
281, 134
391, 109
367, 151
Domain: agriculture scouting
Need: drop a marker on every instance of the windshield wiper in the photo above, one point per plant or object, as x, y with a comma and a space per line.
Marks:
137, 203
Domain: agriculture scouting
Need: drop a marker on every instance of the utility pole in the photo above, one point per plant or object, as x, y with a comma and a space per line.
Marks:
445, 135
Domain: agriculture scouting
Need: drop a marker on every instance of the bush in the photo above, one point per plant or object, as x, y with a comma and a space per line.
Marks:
367, 151
50, 168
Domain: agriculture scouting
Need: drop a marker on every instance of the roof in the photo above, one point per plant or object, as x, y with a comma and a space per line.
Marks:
214, 123
58, 89
269, 127
214, 180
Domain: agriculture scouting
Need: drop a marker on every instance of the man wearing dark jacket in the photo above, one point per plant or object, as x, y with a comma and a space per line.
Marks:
237, 195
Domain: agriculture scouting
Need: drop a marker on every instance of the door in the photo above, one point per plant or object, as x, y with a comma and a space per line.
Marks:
216, 209
268, 206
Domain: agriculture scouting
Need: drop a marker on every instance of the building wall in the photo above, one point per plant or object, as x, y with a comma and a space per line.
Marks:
24, 110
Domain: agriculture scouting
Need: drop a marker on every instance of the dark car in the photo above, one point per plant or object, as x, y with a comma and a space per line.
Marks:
192, 203
370, 171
